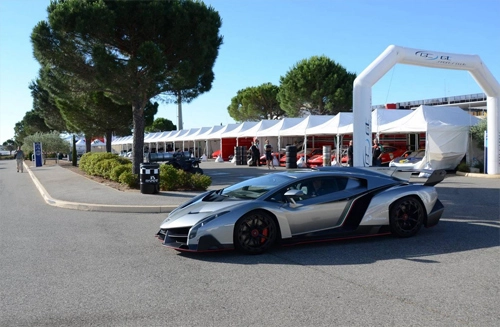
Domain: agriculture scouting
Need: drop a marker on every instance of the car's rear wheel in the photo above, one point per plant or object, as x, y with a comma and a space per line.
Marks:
406, 217
255, 232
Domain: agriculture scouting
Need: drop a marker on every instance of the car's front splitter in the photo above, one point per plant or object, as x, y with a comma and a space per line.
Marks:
206, 243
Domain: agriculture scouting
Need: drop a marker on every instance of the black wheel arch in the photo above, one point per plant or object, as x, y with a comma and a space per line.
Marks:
270, 214
413, 196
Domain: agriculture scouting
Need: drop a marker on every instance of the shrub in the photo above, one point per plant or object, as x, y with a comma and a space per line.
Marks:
129, 179
463, 167
118, 170
104, 167
89, 162
168, 177
176, 179
200, 182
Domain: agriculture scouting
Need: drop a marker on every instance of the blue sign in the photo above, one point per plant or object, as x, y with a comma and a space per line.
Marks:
37, 146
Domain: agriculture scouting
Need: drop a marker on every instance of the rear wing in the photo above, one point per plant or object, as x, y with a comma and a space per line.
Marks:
426, 176
433, 177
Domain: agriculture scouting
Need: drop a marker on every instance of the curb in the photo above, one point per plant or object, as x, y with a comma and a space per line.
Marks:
459, 173
95, 207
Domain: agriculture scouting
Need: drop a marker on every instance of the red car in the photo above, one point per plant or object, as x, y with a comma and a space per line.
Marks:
263, 158
389, 152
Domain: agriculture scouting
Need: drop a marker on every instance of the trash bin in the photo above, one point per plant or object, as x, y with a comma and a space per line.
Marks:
150, 178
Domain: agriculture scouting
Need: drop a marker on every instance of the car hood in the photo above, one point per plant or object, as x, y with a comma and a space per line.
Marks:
193, 213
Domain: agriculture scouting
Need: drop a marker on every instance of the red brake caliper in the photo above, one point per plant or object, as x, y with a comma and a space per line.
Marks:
264, 233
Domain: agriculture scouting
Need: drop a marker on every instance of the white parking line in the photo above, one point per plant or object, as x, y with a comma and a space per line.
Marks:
487, 223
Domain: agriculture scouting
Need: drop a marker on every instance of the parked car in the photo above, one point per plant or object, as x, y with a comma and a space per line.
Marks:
409, 159
389, 152
300, 206
215, 154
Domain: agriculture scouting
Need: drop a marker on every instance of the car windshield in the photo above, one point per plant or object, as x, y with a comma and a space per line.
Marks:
417, 154
255, 187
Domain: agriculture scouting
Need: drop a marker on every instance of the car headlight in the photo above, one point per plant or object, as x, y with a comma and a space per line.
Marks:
203, 222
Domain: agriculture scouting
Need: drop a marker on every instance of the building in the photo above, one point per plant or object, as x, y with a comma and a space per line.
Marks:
475, 104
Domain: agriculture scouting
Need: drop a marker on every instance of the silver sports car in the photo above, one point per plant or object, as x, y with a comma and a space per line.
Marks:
304, 206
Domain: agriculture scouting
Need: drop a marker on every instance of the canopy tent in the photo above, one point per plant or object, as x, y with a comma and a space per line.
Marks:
262, 125
340, 124
447, 131
80, 146
275, 129
384, 116
165, 136
97, 142
216, 136
240, 130
300, 128
211, 130
307, 122
149, 136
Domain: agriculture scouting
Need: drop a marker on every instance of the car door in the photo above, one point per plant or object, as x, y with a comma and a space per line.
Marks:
320, 212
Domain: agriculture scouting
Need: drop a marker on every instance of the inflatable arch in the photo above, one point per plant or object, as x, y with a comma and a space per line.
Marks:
393, 55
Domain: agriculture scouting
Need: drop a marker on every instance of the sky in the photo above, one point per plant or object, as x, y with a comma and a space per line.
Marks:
264, 39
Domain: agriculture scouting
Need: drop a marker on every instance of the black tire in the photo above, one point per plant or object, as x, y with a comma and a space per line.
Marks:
255, 233
406, 217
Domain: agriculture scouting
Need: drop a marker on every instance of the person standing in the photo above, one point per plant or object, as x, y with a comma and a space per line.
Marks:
350, 155
269, 155
19, 159
255, 154
376, 153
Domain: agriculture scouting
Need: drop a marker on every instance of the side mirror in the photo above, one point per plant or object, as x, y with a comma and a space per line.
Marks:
291, 195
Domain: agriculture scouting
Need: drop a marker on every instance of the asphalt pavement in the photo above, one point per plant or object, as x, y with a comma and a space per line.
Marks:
63, 188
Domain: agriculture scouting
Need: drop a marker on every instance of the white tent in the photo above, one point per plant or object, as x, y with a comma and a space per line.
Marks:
262, 125
80, 146
282, 124
215, 136
204, 135
97, 142
447, 131
164, 136
307, 122
217, 133
384, 116
239, 131
341, 123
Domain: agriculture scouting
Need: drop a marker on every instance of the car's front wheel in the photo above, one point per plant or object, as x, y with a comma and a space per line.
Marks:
406, 217
255, 232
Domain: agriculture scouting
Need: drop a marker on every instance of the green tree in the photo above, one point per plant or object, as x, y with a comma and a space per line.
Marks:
161, 125
318, 86
32, 123
131, 50
51, 143
10, 145
44, 104
477, 132
256, 103
91, 113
